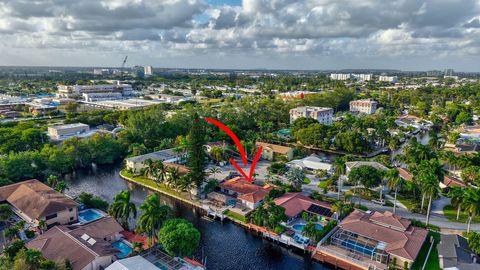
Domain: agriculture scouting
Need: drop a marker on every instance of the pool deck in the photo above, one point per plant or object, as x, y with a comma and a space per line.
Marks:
344, 259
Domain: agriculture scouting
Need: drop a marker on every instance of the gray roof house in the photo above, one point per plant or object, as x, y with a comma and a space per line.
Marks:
454, 253
167, 155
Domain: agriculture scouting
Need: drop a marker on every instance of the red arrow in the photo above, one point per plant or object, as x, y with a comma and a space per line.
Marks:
240, 148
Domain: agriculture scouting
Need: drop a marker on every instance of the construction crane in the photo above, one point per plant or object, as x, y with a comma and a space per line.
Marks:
123, 65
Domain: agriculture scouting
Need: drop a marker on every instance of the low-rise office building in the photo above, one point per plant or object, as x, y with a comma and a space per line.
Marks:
366, 106
68, 130
75, 91
322, 114
390, 79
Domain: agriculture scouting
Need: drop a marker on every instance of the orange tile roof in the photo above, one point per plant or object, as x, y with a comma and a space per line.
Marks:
401, 240
240, 185
295, 202
451, 181
248, 192
275, 147
405, 174
256, 196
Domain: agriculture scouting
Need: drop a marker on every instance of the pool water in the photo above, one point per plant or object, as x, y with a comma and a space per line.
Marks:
123, 247
358, 247
300, 227
89, 215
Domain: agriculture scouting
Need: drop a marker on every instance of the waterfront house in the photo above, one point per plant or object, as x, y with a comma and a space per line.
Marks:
132, 263
155, 259
248, 194
372, 240
87, 247
295, 203
354, 164
137, 163
310, 163
274, 151
34, 201
455, 254
413, 121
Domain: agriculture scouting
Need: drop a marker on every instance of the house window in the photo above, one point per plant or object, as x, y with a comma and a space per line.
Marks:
71, 218
51, 216
71, 209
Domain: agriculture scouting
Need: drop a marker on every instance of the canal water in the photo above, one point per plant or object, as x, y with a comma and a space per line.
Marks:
224, 245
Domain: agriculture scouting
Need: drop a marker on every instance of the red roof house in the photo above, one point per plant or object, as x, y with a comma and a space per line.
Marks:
295, 203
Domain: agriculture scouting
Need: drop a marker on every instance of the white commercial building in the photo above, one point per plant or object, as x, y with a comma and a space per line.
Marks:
90, 97
321, 114
341, 76
363, 77
366, 106
68, 130
390, 79
71, 91
148, 71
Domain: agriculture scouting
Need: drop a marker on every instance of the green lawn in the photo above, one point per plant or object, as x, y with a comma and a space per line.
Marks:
307, 181
406, 201
451, 213
322, 184
432, 262
161, 187
236, 216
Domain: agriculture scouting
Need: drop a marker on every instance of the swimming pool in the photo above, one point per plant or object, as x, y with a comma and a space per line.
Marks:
300, 227
124, 248
88, 215
358, 247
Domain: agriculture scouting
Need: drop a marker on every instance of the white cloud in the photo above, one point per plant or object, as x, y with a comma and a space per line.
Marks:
269, 28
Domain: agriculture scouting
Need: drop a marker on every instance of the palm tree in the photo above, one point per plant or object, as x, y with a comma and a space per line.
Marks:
456, 194
154, 214
339, 165
471, 204
122, 208
338, 208
159, 172
172, 176
393, 181
149, 168
431, 189
214, 171
42, 225
217, 153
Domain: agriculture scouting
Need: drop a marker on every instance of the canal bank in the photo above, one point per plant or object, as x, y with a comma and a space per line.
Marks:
225, 245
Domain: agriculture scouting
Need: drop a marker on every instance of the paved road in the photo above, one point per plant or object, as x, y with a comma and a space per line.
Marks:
436, 217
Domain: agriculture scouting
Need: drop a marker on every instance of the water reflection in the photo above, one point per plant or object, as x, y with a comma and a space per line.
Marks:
225, 245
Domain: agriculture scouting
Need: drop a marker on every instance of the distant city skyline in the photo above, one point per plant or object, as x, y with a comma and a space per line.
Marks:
250, 34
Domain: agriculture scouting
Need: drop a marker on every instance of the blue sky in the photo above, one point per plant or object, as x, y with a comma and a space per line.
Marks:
225, 2
273, 34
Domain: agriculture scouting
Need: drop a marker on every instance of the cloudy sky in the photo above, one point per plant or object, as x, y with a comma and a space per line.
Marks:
282, 34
